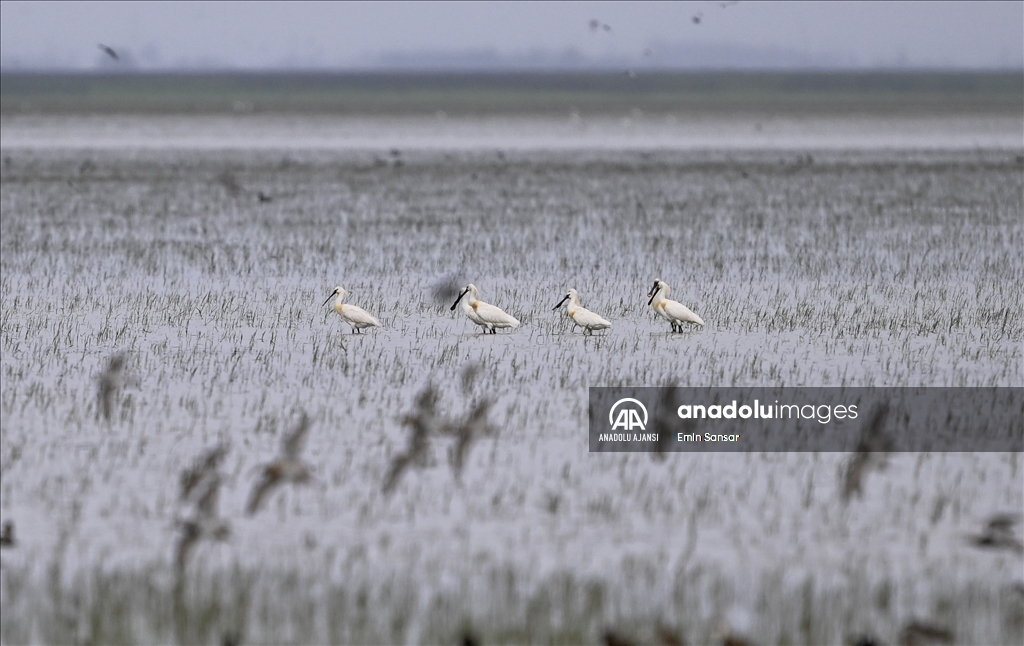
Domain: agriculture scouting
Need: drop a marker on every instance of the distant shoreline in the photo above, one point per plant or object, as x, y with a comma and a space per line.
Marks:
477, 93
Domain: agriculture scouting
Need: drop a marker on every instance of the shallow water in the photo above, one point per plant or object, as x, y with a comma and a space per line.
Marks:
815, 259
632, 130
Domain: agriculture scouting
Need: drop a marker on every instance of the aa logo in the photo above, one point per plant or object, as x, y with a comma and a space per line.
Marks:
632, 415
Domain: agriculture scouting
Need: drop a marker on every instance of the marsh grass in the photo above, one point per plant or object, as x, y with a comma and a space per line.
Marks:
841, 269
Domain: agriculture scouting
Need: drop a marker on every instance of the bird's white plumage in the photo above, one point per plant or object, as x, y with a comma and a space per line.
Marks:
484, 314
356, 317
581, 316
672, 311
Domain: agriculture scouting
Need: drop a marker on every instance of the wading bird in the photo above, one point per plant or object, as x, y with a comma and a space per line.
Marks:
999, 534
672, 311
356, 317
872, 452
287, 468
581, 316
483, 314
200, 489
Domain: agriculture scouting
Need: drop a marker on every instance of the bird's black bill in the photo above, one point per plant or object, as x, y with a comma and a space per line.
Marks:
329, 298
458, 299
654, 292
560, 302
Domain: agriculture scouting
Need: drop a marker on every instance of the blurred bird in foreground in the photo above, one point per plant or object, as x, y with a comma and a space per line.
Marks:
287, 468
872, 452
201, 491
665, 423
7, 536
110, 384
425, 422
668, 637
999, 535
466, 432
612, 638
468, 377
918, 633
205, 467
422, 423
445, 288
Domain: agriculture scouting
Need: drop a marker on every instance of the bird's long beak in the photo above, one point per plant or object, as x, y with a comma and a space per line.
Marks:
464, 292
560, 302
330, 297
654, 292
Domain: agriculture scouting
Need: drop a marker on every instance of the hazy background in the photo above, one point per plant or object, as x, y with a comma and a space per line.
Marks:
63, 36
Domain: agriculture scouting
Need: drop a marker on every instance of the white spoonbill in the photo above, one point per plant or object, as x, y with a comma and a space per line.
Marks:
672, 311
581, 316
357, 317
483, 314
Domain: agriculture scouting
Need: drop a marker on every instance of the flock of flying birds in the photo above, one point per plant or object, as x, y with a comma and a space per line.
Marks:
200, 483
492, 318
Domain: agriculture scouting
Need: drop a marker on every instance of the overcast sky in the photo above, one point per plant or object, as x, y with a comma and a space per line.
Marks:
355, 35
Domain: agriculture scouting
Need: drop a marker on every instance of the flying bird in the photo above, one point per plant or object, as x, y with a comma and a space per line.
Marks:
665, 423
872, 452
468, 377
999, 535
110, 383
668, 637
422, 424
109, 51
919, 633
203, 496
204, 467
612, 638
697, 17
466, 433
7, 536
445, 288
287, 468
